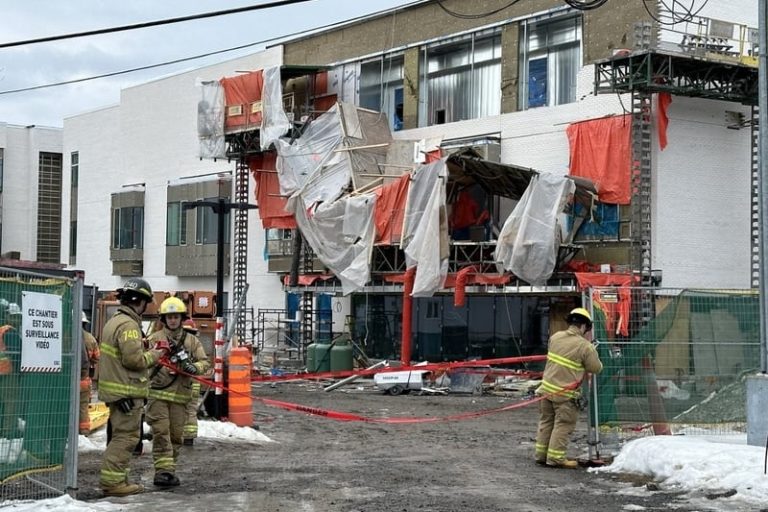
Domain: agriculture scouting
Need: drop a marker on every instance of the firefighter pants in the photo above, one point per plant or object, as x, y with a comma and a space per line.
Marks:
557, 421
85, 419
190, 427
167, 420
125, 437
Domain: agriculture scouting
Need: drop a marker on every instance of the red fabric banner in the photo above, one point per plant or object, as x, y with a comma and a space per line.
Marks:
601, 152
663, 99
271, 204
390, 209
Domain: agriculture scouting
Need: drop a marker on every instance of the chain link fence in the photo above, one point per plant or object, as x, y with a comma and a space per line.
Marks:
682, 370
40, 347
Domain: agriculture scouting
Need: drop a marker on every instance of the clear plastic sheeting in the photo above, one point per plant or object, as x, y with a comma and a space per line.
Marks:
311, 158
425, 237
210, 120
341, 233
528, 242
274, 122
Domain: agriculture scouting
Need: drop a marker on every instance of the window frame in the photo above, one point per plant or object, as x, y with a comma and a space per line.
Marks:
387, 89
547, 53
181, 224
428, 112
129, 213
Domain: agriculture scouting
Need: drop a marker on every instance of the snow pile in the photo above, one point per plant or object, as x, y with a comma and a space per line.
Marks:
61, 504
225, 431
215, 430
707, 464
96, 442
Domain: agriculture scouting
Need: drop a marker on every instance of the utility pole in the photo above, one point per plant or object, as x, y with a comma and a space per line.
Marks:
221, 208
763, 178
757, 385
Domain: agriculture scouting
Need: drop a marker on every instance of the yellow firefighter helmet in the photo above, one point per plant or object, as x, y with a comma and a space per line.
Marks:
173, 305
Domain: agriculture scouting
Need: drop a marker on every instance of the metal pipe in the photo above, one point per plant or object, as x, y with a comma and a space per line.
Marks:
220, 226
76, 332
405, 344
763, 179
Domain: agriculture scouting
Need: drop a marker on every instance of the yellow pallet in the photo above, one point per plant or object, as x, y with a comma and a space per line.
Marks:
98, 413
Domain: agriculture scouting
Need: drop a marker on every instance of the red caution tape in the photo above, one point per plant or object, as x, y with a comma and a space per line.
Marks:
344, 416
424, 367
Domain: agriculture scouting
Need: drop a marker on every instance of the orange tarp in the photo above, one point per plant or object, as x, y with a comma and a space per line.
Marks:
243, 90
390, 209
271, 205
616, 313
601, 152
307, 279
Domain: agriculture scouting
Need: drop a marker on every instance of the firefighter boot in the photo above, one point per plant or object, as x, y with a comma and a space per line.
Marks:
123, 489
166, 479
189, 441
565, 463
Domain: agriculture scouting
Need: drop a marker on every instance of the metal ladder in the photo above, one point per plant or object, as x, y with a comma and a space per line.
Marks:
641, 169
240, 249
755, 201
307, 298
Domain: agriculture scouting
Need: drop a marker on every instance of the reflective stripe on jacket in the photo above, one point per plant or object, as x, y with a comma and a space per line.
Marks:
570, 355
124, 362
175, 387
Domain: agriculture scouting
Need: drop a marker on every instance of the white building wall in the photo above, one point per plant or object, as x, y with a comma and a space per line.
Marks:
22, 146
151, 138
701, 214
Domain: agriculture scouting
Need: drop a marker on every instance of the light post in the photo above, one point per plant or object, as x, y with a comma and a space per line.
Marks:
221, 208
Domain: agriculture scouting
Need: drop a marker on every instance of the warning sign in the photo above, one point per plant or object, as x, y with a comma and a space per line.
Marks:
40, 332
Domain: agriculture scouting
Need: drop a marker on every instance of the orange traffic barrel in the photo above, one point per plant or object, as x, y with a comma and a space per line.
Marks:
240, 401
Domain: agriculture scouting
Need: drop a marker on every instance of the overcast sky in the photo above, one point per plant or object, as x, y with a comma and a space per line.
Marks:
45, 63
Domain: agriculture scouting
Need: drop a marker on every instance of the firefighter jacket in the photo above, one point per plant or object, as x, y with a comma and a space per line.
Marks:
91, 354
124, 362
172, 386
569, 356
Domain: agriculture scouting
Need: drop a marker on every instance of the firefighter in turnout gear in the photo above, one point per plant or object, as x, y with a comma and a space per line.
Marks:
90, 359
124, 383
569, 357
171, 391
190, 427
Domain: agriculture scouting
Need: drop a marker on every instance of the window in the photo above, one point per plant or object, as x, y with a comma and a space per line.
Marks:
176, 224
205, 230
128, 228
381, 88
550, 59
74, 164
72, 241
49, 207
461, 79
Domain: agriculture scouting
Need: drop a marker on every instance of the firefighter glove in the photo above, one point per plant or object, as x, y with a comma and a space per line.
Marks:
188, 367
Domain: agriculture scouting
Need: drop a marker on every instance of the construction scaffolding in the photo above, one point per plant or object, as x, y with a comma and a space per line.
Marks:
705, 58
